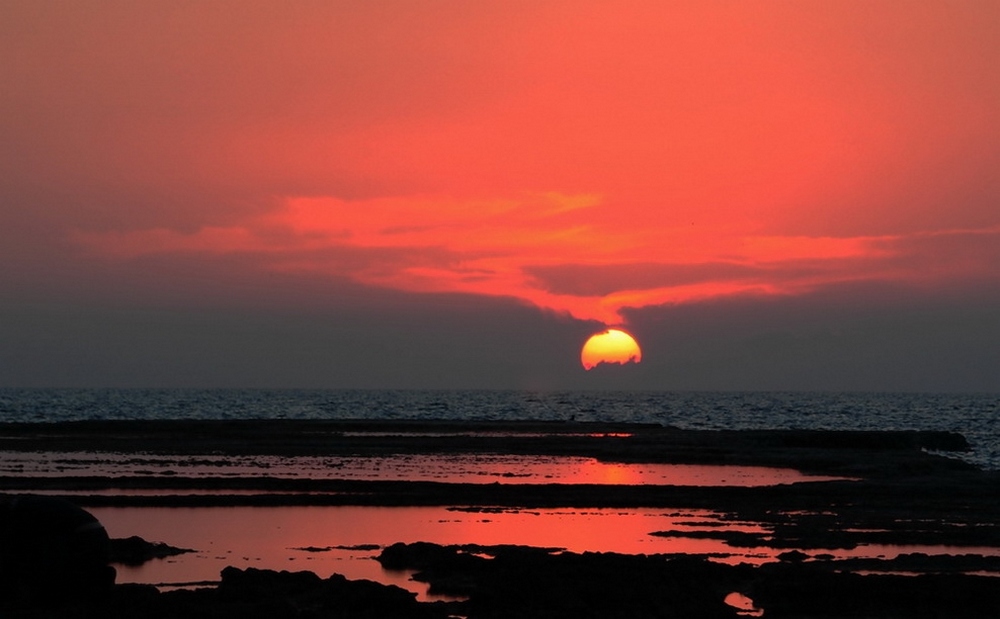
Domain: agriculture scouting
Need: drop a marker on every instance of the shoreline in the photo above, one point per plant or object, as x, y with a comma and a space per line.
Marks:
899, 493
819, 451
885, 478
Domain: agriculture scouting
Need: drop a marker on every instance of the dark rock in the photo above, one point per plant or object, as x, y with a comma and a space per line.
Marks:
793, 556
253, 584
811, 590
268, 594
52, 553
531, 582
136, 551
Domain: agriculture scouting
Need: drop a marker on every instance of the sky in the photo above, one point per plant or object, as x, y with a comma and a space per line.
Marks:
767, 194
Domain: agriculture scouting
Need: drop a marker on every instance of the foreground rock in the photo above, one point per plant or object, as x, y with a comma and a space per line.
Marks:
265, 594
52, 553
529, 583
532, 582
898, 494
135, 551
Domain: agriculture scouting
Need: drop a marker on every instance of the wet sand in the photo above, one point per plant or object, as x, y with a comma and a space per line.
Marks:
895, 488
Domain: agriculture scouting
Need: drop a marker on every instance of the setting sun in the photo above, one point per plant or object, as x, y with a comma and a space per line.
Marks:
610, 346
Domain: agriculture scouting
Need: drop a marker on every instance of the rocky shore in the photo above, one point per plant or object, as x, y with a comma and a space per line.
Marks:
895, 488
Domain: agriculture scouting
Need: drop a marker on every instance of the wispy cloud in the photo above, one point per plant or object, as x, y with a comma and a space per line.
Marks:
543, 250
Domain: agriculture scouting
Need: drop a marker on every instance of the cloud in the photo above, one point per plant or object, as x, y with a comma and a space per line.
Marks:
592, 158
549, 250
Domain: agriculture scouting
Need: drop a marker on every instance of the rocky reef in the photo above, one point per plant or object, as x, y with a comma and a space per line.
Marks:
898, 488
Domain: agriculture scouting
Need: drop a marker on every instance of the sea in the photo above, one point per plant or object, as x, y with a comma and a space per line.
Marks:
975, 416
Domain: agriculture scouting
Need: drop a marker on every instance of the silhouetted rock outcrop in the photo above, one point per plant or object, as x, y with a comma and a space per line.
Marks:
136, 551
267, 594
52, 553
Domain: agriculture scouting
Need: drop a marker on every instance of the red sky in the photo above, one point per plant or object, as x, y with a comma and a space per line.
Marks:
583, 157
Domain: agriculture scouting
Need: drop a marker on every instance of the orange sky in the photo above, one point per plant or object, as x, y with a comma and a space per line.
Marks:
581, 156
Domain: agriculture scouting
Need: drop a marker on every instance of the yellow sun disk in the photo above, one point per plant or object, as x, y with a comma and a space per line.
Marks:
611, 346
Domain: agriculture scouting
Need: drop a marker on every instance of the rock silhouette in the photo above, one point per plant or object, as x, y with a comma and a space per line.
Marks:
52, 553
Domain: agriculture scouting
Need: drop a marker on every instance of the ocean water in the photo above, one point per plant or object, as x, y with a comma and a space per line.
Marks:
976, 416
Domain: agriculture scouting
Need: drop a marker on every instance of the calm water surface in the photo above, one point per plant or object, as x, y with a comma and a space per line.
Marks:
328, 540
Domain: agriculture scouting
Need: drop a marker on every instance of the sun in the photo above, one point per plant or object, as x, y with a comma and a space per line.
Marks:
610, 346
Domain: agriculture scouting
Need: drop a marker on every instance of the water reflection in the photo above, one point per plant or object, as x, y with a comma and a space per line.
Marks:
744, 605
454, 468
329, 540
345, 539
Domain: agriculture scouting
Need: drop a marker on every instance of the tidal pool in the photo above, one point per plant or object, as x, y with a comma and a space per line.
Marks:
453, 468
345, 539
328, 540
